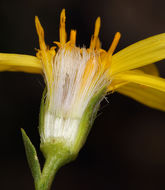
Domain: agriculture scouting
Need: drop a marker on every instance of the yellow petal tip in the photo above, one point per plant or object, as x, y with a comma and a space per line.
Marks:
114, 43
73, 37
40, 32
97, 26
62, 27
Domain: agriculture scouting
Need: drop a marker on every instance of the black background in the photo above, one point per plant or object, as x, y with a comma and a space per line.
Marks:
126, 147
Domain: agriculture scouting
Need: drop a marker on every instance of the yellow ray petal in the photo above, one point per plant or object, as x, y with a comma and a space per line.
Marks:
115, 84
143, 79
150, 69
17, 62
139, 54
145, 95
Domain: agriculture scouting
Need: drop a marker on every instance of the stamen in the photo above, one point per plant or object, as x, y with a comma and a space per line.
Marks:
40, 32
62, 28
114, 43
73, 37
94, 38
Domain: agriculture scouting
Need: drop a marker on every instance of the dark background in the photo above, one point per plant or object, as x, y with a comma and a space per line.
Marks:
126, 147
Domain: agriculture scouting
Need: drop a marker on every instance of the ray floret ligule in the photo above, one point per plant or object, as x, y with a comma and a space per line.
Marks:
77, 79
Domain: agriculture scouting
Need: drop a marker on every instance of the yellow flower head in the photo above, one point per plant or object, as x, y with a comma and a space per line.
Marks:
74, 75
78, 78
82, 70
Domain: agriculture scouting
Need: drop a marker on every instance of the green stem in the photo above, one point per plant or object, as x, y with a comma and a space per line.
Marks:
56, 156
51, 166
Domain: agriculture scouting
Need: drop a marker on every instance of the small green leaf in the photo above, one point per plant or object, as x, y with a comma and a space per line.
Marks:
32, 157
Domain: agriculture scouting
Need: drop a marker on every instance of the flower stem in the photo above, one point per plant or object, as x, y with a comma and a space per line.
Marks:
56, 156
51, 166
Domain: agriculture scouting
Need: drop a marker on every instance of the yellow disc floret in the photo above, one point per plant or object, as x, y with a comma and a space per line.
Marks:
79, 71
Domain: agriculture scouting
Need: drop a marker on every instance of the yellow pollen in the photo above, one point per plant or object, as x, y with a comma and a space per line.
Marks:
114, 43
73, 37
63, 34
95, 40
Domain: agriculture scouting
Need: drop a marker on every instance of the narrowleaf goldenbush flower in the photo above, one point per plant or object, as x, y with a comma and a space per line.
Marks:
77, 79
